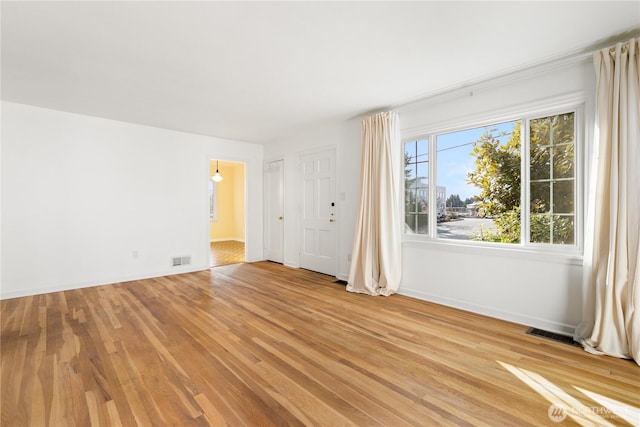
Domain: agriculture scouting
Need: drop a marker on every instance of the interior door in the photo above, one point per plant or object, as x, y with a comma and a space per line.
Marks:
318, 235
275, 211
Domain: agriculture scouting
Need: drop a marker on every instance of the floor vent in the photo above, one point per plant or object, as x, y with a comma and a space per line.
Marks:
341, 282
180, 260
564, 339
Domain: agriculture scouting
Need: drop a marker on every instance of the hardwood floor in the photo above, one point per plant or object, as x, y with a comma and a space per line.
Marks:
226, 252
263, 344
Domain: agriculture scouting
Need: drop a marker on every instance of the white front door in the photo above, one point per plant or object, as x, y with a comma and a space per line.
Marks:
318, 234
275, 211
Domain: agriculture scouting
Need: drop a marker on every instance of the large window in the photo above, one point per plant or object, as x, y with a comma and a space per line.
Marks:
512, 182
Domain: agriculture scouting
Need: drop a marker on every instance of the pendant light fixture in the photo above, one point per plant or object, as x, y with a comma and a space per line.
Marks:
217, 177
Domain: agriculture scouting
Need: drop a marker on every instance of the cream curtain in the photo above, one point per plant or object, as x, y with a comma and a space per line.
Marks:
376, 257
612, 312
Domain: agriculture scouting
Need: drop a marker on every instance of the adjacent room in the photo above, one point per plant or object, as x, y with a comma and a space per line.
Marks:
320, 213
226, 211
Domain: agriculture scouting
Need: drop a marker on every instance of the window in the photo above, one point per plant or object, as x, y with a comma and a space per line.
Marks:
416, 179
482, 185
552, 194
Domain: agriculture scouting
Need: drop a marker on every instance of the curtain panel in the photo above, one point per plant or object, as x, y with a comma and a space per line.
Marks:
611, 322
376, 257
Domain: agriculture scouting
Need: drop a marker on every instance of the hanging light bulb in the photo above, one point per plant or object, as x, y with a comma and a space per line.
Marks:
217, 177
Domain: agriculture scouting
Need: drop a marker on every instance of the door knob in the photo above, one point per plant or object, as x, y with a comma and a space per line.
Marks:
280, 217
331, 220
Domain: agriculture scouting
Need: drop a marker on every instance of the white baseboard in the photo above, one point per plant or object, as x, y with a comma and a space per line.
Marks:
99, 282
544, 324
235, 239
548, 325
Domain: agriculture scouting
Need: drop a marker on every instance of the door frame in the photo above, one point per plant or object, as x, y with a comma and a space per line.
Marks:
225, 158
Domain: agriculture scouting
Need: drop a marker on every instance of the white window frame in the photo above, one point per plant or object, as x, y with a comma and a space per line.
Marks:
525, 113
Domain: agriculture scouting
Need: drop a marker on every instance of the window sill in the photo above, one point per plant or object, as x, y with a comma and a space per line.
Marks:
571, 256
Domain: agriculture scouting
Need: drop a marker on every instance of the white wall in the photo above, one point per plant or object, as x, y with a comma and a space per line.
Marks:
80, 194
541, 290
89, 201
344, 136
533, 289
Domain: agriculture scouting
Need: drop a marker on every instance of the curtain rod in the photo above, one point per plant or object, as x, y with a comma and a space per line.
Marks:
557, 61
501, 77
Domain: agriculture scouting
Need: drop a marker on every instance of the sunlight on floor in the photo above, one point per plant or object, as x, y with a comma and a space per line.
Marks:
563, 404
624, 411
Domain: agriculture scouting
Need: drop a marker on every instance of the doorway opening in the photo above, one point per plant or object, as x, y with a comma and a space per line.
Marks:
226, 212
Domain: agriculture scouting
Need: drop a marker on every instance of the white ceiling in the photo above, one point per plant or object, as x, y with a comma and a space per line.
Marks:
256, 71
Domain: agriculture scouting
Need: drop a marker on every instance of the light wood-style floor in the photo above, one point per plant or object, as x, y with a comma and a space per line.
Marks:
226, 252
263, 344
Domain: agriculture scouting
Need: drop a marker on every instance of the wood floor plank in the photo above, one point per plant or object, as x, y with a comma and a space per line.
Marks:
264, 344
